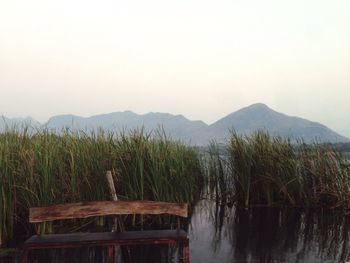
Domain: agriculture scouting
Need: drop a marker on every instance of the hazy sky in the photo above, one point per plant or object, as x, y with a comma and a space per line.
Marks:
203, 59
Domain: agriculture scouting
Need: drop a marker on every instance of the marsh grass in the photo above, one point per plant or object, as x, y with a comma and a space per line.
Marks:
260, 170
274, 171
218, 177
42, 168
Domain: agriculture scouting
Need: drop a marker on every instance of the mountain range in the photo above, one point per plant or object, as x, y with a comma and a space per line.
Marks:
244, 121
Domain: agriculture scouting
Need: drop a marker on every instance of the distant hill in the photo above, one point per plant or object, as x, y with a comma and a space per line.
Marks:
18, 123
260, 117
244, 121
175, 125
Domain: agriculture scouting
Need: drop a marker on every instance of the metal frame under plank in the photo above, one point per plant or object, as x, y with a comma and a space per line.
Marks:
108, 239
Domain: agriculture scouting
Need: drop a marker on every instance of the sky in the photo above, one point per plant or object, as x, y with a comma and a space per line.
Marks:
203, 59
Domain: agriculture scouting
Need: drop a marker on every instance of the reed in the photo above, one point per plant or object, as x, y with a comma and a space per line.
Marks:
260, 170
218, 177
41, 168
274, 171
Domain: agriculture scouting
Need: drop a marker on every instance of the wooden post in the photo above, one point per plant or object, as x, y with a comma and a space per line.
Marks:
114, 197
38, 228
24, 256
186, 252
111, 186
110, 252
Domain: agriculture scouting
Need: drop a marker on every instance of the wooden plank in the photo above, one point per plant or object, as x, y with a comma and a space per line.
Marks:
103, 208
106, 239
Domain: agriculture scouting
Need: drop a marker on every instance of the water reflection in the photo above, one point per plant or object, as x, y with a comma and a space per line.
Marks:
219, 233
223, 234
127, 254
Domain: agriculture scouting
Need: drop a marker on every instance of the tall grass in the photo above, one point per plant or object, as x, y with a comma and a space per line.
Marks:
260, 170
263, 169
218, 177
43, 168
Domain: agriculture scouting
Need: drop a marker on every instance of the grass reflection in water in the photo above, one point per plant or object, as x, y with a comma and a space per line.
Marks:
263, 234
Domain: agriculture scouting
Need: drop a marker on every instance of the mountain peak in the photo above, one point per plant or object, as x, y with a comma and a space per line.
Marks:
255, 107
258, 105
259, 116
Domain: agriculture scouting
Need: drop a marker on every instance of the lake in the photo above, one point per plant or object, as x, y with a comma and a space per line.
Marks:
221, 234
227, 234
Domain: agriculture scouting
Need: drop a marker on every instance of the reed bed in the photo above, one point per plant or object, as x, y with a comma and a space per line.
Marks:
261, 170
218, 178
42, 168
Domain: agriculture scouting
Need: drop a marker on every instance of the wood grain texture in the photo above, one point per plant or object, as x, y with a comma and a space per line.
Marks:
103, 208
106, 238
111, 186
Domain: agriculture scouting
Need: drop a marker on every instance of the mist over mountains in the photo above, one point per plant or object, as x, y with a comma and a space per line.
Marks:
244, 121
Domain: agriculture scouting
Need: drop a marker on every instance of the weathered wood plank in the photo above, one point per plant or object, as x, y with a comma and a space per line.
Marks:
106, 238
103, 208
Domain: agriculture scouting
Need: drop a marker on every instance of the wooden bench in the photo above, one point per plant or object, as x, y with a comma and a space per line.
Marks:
106, 239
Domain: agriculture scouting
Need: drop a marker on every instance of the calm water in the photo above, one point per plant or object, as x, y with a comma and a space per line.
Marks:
221, 234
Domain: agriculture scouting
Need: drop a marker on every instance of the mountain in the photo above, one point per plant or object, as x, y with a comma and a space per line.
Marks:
18, 123
244, 121
261, 117
177, 126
